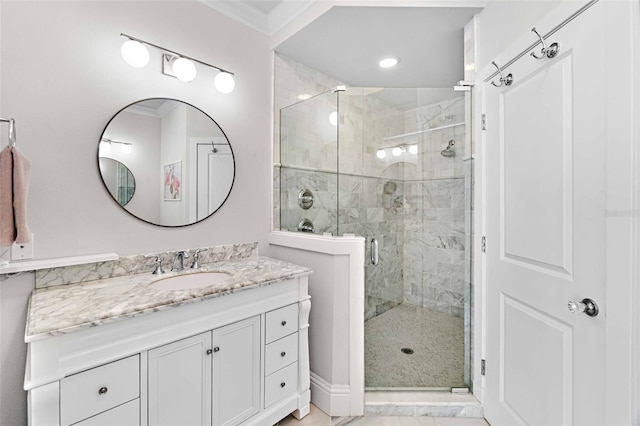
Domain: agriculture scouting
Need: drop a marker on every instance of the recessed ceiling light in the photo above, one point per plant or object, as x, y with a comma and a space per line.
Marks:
388, 62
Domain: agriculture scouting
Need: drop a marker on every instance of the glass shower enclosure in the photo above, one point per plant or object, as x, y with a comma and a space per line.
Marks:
393, 166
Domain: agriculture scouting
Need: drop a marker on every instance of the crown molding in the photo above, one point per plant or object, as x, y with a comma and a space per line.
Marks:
267, 24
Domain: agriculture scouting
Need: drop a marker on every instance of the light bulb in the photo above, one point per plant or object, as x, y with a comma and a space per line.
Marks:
388, 62
396, 151
413, 149
381, 153
224, 82
184, 69
333, 118
135, 53
125, 148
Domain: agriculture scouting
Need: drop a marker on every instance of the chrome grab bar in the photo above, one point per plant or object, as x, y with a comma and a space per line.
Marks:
374, 251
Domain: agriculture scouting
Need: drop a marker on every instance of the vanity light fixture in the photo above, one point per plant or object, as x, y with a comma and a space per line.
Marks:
397, 150
125, 147
388, 62
178, 67
174, 64
135, 54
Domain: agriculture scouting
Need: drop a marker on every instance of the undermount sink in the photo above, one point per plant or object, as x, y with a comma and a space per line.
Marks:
191, 281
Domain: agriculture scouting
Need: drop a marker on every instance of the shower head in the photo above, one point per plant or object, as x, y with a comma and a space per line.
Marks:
449, 151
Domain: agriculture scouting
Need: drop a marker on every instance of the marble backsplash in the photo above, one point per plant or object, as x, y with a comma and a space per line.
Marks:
139, 264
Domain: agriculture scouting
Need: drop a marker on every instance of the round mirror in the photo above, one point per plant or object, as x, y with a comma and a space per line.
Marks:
118, 179
181, 159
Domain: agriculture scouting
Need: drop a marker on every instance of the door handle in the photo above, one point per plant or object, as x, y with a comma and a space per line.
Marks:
586, 306
374, 251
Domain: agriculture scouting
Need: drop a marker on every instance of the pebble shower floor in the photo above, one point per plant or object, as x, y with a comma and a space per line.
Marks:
437, 341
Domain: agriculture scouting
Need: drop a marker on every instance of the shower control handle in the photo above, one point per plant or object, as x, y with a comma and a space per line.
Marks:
374, 251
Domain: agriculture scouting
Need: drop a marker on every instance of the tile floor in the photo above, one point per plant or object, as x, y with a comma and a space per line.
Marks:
319, 418
437, 341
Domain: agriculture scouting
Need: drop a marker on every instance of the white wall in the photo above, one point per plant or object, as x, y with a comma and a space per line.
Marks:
502, 22
63, 78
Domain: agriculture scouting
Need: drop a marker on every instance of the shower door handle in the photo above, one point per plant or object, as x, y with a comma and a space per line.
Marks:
374, 251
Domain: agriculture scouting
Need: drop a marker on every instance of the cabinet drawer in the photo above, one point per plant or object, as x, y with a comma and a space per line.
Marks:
281, 384
123, 415
281, 353
281, 322
93, 391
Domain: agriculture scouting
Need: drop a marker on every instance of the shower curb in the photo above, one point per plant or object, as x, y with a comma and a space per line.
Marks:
432, 404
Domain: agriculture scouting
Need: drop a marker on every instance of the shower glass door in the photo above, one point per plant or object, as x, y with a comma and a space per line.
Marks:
415, 186
393, 166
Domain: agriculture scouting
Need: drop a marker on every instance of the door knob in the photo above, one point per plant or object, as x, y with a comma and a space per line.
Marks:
586, 306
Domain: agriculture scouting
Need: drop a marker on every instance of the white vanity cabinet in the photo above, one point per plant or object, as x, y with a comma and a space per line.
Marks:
212, 375
237, 359
236, 372
179, 382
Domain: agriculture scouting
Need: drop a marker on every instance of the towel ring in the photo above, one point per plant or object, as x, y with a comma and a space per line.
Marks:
503, 80
550, 52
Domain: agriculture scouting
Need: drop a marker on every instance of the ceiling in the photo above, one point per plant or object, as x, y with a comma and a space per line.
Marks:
347, 42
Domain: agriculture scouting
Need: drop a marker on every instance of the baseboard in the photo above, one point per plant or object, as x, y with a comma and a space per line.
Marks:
335, 400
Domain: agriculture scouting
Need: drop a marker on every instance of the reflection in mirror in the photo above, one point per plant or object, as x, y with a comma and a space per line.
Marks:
182, 161
118, 179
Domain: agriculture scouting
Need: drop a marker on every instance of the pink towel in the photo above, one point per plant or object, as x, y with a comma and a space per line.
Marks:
14, 184
21, 175
7, 224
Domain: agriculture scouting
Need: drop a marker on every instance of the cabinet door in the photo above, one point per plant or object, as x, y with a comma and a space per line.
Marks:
236, 372
180, 382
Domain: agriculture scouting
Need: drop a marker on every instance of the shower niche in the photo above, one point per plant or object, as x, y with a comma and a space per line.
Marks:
392, 165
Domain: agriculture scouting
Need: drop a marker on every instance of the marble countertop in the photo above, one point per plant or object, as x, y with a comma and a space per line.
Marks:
67, 308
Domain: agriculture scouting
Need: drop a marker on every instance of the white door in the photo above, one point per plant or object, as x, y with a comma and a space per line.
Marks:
545, 174
236, 372
215, 177
180, 382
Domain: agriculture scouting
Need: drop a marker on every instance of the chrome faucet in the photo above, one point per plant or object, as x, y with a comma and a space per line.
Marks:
180, 256
196, 256
158, 262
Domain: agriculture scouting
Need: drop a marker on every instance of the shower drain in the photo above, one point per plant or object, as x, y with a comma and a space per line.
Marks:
407, 351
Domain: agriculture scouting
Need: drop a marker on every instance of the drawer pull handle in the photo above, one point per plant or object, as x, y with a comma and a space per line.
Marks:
283, 323
216, 349
282, 354
209, 351
283, 384
103, 390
